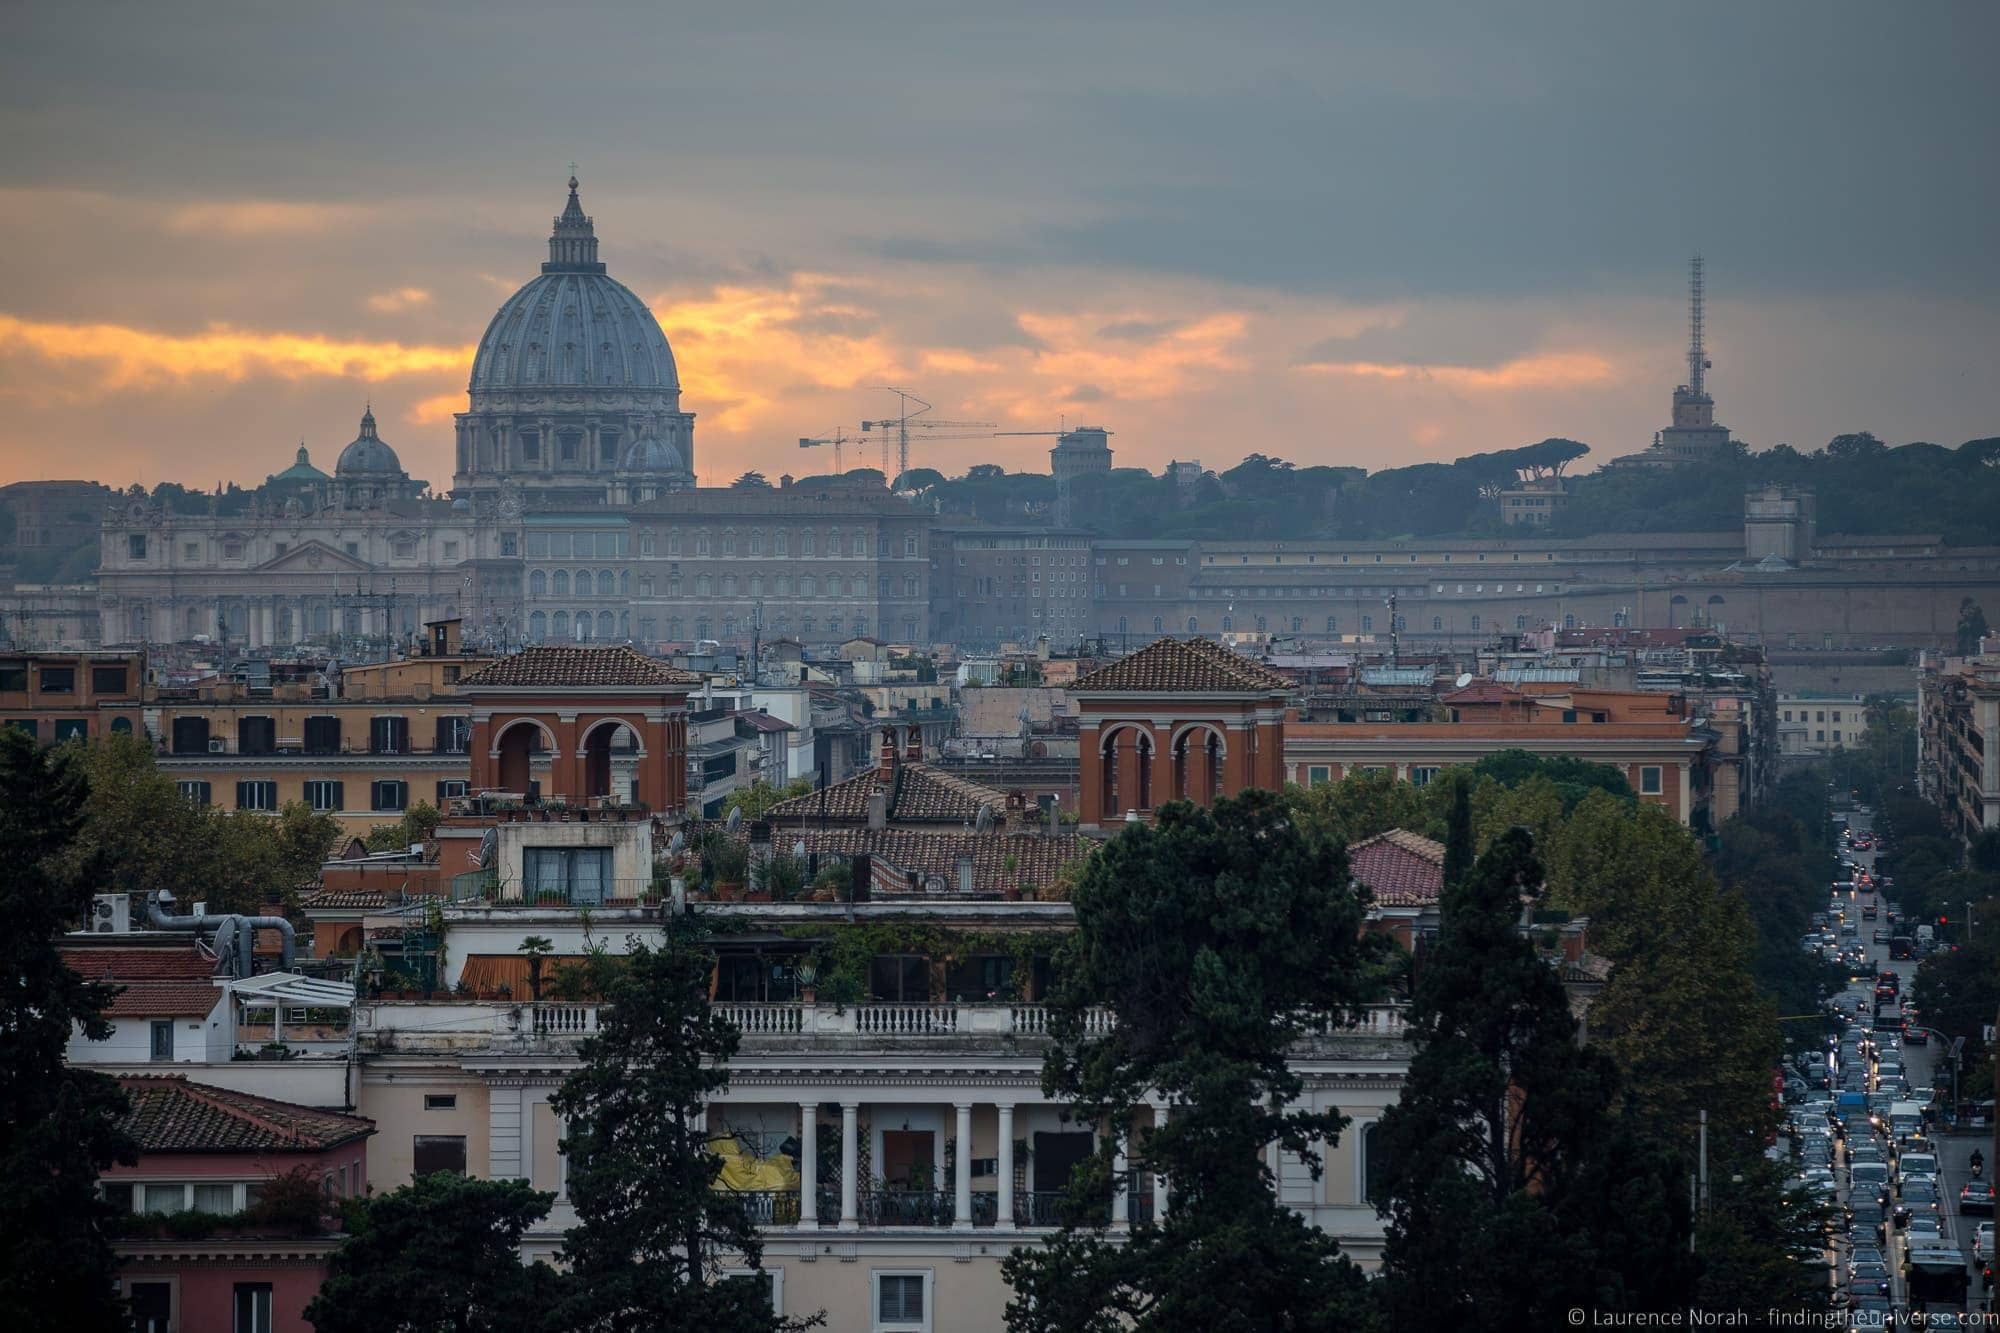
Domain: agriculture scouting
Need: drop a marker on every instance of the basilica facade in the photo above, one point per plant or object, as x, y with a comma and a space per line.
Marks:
574, 514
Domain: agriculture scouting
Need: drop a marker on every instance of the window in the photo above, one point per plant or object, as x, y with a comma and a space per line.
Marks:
1318, 773
1375, 1160
58, 680
902, 1299
771, 1281
454, 733
77, 729
509, 544
389, 794
451, 788
163, 1039
440, 1101
107, 680
197, 792
324, 796
1649, 780
1423, 777
389, 735
13, 677
322, 735
253, 1307
431, 1153
573, 874
256, 735
256, 796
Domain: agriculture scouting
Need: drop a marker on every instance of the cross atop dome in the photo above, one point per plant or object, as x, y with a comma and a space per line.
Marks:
573, 242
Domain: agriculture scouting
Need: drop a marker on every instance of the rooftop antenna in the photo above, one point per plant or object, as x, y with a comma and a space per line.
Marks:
1697, 358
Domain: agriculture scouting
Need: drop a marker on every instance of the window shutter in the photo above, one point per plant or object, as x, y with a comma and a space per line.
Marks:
340, 796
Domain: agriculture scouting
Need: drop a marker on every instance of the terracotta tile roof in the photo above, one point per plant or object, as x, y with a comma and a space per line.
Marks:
170, 1114
918, 793
1176, 665
1404, 869
1480, 692
764, 721
934, 853
157, 983
552, 664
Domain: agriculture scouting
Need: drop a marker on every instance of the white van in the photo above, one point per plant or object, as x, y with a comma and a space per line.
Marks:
1917, 1164
1906, 1121
1867, 1179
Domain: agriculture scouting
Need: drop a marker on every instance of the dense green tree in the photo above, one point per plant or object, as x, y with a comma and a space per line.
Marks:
1572, 778
415, 827
59, 1125
1503, 1162
760, 796
1362, 805
652, 1233
1219, 938
439, 1255
1971, 627
141, 834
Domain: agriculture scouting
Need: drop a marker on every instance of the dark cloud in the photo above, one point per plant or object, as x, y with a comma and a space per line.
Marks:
1085, 393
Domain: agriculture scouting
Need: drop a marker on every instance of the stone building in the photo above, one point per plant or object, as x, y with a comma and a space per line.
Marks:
366, 556
574, 392
994, 585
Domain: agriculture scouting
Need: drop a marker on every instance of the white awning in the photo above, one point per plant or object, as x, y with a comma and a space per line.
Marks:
289, 989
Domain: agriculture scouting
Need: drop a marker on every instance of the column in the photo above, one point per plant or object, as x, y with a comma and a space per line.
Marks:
1121, 1198
808, 1164
961, 1214
849, 1127
1159, 1177
1005, 1219
1125, 752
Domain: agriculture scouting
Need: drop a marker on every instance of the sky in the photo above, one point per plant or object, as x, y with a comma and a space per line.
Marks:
1360, 234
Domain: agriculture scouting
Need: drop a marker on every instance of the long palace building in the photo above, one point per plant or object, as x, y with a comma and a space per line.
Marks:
574, 515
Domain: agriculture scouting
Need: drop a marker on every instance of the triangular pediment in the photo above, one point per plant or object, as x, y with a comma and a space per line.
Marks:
314, 557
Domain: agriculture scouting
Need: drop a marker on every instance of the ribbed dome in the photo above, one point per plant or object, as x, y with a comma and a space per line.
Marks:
652, 454
574, 327
368, 455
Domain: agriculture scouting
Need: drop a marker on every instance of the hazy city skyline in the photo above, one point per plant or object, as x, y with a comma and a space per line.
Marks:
1354, 238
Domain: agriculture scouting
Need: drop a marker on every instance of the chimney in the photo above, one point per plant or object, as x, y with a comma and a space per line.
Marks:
863, 878
965, 873
878, 810
885, 755
1055, 819
913, 744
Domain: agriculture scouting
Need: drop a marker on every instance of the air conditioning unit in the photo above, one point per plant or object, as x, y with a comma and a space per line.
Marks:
217, 745
111, 913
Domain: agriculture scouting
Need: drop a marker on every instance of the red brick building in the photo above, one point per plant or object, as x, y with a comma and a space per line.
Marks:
570, 706
1177, 720
210, 1150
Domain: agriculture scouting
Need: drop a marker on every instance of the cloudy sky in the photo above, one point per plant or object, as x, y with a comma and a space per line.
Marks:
1363, 234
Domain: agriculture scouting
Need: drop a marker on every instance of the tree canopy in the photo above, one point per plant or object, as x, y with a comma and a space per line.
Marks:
59, 1125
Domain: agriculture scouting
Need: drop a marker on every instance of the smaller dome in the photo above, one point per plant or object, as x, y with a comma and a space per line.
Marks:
650, 454
461, 505
368, 455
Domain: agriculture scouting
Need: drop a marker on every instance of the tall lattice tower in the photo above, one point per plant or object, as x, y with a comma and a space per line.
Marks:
1697, 358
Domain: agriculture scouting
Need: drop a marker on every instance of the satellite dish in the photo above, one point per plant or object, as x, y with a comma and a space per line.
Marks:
735, 820
489, 846
1464, 679
983, 822
678, 844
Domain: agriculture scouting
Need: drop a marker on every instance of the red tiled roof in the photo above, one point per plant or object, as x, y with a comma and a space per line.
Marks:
170, 1114
928, 853
336, 899
919, 792
156, 983
551, 664
1404, 869
1480, 692
761, 721
1176, 665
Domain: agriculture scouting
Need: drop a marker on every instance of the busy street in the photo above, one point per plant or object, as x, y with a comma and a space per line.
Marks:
1912, 1227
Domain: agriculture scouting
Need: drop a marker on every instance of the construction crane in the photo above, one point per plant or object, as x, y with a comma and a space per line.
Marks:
897, 429
839, 440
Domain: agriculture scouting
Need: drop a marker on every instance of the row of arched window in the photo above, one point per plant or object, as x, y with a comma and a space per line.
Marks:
754, 543
585, 625
559, 583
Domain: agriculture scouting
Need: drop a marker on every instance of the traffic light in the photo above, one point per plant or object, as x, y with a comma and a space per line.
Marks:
1944, 920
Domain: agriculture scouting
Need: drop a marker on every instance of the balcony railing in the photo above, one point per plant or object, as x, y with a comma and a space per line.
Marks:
770, 1208
911, 1021
482, 887
564, 1020
906, 1208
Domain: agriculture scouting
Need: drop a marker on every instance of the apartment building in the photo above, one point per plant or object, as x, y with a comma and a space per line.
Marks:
994, 585
62, 696
1958, 738
1814, 723
363, 746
